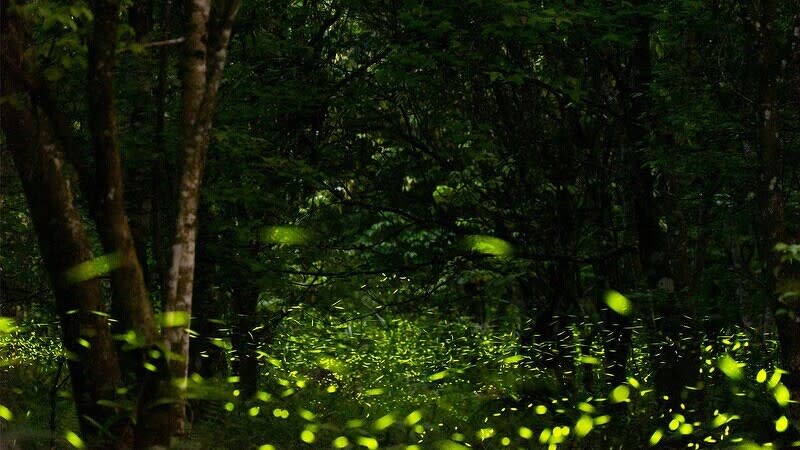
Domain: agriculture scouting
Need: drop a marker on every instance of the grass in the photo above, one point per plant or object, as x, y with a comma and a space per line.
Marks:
436, 383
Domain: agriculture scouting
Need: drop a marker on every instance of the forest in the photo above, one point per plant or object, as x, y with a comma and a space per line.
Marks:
399, 224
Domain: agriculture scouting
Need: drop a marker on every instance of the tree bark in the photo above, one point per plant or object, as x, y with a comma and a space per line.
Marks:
676, 366
772, 198
208, 36
64, 244
130, 301
38, 136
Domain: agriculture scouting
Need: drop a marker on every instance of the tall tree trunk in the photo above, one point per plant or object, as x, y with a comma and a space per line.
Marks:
37, 142
641, 216
130, 301
207, 39
772, 198
674, 368
138, 196
64, 245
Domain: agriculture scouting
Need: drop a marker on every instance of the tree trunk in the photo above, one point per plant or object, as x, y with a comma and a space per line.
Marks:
675, 367
206, 51
63, 242
39, 137
772, 198
130, 301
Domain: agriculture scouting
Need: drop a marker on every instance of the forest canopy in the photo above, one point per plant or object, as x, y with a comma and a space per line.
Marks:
278, 224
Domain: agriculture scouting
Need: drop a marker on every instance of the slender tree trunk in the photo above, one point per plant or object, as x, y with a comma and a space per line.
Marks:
790, 324
138, 199
641, 216
772, 198
206, 52
130, 301
37, 142
674, 368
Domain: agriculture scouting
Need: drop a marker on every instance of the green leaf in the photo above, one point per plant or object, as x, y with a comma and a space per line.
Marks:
53, 73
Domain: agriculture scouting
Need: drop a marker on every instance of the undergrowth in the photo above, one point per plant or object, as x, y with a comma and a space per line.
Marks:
431, 383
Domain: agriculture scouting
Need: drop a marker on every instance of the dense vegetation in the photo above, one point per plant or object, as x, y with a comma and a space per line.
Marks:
400, 224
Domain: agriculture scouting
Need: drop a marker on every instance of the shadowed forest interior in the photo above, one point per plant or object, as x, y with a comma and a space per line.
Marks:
400, 224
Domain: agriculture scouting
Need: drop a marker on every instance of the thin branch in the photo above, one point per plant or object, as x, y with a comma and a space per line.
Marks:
164, 43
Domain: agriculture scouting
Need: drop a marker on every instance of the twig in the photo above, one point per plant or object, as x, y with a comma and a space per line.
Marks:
179, 40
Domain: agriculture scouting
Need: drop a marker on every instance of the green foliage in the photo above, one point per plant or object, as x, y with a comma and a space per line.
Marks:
412, 216
427, 381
